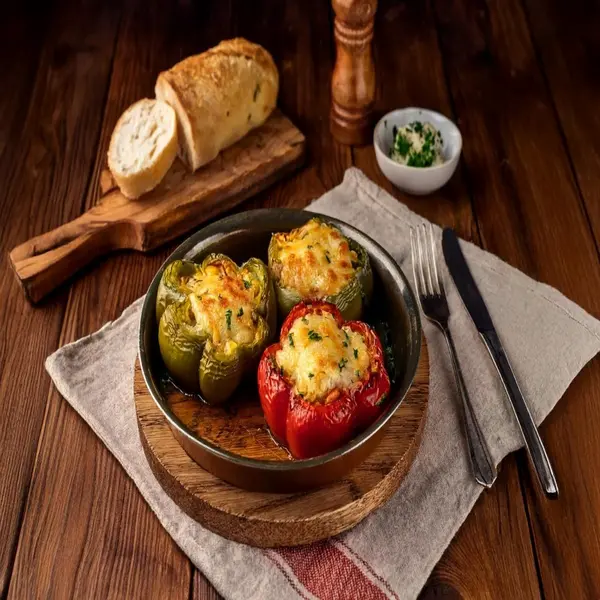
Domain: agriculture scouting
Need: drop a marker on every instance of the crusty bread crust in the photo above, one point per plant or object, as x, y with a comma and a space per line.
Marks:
136, 180
219, 96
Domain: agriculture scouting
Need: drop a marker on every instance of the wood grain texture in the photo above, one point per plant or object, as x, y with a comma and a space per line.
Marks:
530, 214
44, 171
353, 78
86, 523
516, 164
568, 540
268, 520
503, 566
181, 202
568, 46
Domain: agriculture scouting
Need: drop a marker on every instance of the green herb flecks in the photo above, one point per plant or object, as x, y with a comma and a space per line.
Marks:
345, 344
355, 352
291, 339
401, 145
357, 373
343, 362
240, 312
311, 375
228, 318
327, 257
247, 284
417, 126
313, 336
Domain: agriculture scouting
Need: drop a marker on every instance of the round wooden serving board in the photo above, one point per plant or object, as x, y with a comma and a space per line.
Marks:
269, 520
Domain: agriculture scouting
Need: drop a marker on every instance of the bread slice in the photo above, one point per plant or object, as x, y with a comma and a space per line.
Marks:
143, 146
219, 96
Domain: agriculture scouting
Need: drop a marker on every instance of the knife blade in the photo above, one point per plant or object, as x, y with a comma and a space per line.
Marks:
477, 309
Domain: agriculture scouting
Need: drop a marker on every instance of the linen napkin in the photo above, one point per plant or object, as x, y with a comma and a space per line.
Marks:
392, 552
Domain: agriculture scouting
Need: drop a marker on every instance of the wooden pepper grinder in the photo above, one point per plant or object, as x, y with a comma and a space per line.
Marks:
353, 80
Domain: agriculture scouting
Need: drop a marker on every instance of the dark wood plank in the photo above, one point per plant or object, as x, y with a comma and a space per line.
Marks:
504, 565
43, 172
107, 543
202, 590
568, 46
530, 214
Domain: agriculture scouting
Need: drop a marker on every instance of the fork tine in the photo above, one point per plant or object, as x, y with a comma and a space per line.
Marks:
421, 262
413, 255
437, 282
417, 270
426, 259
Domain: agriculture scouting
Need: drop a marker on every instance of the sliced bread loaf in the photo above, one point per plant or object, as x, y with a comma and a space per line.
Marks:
143, 146
219, 96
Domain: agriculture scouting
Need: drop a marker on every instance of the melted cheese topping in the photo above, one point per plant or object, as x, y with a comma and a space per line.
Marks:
318, 357
223, 303
315, 260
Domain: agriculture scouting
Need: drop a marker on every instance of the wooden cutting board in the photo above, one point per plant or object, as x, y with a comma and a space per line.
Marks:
180, 203
269, 520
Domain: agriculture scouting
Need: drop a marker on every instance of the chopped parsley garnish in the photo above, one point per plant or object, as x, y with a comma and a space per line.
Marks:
311, 375
305, 320
345, 344
281, 371
417, 145
357, 373
342, 363
247, 284
228, 318
314, 336
327, 257
310, 246
291, 339
417, 126
240, 312
347, 336
355, 352
402, 145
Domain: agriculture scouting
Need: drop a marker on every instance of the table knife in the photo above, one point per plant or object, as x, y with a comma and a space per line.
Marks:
471, 297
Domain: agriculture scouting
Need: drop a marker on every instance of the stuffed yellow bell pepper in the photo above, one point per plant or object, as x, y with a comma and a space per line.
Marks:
214, 321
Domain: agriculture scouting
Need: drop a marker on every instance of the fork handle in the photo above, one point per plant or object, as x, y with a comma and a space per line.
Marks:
483, 467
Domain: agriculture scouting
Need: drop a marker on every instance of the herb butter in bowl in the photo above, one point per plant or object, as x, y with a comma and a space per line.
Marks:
417, 149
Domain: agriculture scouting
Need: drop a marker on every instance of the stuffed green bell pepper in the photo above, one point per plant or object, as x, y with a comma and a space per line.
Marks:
214, 321
317, 262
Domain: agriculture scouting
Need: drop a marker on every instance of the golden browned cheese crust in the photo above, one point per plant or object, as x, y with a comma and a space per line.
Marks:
318, 356
219, 96
315, 260
223, 301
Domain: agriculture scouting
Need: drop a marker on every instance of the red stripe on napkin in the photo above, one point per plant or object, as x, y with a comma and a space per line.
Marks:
327, 573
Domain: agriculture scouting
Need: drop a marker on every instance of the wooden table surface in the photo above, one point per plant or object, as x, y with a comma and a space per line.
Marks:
521, 78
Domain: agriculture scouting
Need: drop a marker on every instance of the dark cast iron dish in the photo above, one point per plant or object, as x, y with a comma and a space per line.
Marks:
247, 234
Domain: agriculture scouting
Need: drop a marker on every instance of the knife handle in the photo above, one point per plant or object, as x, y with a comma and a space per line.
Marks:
533, 441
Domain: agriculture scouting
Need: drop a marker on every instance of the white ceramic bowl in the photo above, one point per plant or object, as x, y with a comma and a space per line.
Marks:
417, 180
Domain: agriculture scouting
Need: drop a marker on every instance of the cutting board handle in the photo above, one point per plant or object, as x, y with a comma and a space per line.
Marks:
45, 261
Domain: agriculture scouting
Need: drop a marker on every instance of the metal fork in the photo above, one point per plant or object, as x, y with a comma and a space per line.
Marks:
432, 298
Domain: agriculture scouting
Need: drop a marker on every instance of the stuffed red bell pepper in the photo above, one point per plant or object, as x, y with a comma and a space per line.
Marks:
323, 382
